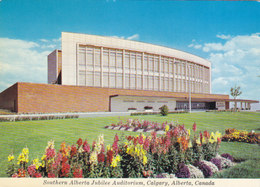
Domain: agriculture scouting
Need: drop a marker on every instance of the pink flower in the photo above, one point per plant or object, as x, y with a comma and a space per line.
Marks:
194, 127
51, 175
31, 170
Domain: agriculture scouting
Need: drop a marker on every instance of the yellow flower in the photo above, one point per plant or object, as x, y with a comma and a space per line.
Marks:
203, 140
93, 158
36, 163
25, 151
198, 141
10, 157
189, 132
43, 157
115, 161
167, 128
144, 160
190, 144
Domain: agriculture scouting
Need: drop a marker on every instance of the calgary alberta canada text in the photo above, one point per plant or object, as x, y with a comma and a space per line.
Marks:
125, 182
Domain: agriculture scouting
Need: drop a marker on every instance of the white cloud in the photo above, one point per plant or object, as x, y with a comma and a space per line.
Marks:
133, 37
224, 37
236, 61
44, 40
23, 61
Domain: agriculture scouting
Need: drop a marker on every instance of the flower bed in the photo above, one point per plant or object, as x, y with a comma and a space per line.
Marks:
141, 126
170, 155
241, 136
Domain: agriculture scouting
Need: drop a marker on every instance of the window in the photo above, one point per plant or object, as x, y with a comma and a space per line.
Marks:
97, 57
89, 80
156, 64
145, 63
112, 60
82, 78
132, 63
151, 63
139, 82
132, 81
156, 83
139, 61
97, 79
105, 58
127, 81
119, 60
150, 82
119, 80
112, 80
127, 60
105, 79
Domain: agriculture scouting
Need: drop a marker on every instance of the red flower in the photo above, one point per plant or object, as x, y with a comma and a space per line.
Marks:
194, 127
21, 173
65, 169
73, 151
50, 153
219, 140
101, 157
77, 173
31, 170
140, 139
146, 143
109, 156
15, 175
51, 175
37, 175
79, 142
86, 147
115, 144
206, 134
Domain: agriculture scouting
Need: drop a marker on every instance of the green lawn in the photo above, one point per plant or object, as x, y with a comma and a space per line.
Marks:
35, 134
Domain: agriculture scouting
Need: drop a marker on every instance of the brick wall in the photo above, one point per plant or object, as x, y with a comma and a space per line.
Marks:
8, 98
47, 98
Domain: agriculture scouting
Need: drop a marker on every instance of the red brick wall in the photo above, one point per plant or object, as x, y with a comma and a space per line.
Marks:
60, 98
8, 98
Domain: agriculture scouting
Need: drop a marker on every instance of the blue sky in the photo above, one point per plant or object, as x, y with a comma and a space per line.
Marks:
226, 33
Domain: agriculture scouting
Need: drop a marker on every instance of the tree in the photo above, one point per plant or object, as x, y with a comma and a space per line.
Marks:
164, 110
235, 92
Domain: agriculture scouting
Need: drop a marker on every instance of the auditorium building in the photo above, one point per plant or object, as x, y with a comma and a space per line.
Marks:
101, 74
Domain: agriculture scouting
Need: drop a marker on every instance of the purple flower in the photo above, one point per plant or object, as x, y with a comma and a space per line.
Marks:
217, 162
228, 156
207, 172
183, 171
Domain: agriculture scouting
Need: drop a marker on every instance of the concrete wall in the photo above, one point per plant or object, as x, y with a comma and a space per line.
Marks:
122, 103
52, 67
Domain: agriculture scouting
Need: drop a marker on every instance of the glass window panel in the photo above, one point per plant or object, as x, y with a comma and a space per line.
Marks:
97, 79
119, 60
139, 63
146, 82
166, 70
82, 78
89, 81
139, 82
127, 61
105, 59
90, 59
112, 61
119, 80
156, 83
127, 81
132, 61
105, 79
112, 80
151, 63
150, 82
156, 65
132, 81
82, 58
97, 60
145, 63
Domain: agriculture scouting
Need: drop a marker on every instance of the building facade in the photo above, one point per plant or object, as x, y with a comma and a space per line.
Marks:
97, 73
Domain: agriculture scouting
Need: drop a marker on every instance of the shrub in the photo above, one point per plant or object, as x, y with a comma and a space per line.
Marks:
148, 107
207, 172
164, 110
217, 162
228, 156
195, 172
183, 171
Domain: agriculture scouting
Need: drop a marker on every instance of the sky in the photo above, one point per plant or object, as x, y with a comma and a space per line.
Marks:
226, 33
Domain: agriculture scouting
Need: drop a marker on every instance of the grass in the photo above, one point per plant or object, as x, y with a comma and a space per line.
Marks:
35, 134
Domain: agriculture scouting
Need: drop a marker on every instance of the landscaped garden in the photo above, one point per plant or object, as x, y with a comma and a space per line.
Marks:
128, 149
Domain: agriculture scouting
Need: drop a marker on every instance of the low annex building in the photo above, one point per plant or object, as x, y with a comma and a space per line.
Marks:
97, 73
